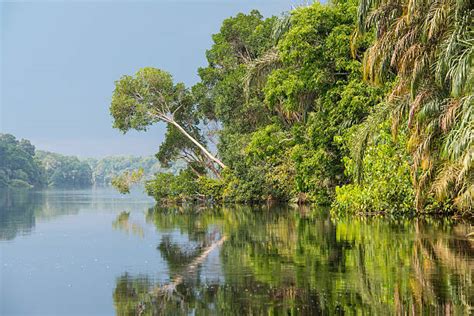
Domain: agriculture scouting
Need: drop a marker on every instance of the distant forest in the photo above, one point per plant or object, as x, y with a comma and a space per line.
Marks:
22, 166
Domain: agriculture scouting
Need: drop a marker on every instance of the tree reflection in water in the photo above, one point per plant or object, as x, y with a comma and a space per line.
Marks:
123, 223
284, 261
20, 210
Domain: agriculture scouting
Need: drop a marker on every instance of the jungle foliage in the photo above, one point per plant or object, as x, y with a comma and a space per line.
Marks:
64, 171
362, 105
18, 167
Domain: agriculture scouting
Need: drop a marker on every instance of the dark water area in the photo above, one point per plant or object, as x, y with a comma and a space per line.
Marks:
94, 252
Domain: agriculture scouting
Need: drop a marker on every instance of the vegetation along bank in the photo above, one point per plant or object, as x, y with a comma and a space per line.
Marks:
23, 166
365, 106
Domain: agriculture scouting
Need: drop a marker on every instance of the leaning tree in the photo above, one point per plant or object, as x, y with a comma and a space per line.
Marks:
151, 96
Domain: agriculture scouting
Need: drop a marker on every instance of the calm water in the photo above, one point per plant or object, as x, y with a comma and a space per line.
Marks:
97, 253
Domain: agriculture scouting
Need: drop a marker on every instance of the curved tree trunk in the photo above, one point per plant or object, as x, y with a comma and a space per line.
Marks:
203, 149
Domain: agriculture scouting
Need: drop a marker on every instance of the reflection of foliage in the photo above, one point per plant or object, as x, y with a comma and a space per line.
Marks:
174, 254
20, 209
128, 295
17, 213
280, 261
122, 223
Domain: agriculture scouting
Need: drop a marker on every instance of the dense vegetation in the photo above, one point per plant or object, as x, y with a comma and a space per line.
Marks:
366, 106
18, 167
22, 166
64, 171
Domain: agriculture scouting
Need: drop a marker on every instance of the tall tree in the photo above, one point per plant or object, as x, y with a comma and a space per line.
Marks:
176, 147
429, 46
149, 97
241, 39
18, 167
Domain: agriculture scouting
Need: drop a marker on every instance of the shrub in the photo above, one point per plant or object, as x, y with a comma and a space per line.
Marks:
386, 185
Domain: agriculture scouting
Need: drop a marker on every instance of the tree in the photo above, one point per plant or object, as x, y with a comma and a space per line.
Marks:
124, 181
429, 46
149, 97
176, 146
64, 171
18, 167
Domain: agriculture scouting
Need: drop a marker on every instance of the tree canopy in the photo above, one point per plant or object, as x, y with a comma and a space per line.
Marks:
150, 97
364, 106
18, 167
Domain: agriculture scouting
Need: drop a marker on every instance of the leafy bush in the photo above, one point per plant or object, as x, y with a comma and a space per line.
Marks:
386, 185
168, 187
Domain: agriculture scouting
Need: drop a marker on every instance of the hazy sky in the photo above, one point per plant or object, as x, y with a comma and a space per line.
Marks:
59, 61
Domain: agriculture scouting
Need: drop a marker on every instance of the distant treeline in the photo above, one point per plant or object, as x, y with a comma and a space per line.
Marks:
18, 166
22, 166
64, 171
105, 169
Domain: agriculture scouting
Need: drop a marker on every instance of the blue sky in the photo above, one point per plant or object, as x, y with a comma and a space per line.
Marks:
59, 61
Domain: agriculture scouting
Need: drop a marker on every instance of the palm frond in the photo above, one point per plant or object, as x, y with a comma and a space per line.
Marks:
258, 69
429, 44
360, 139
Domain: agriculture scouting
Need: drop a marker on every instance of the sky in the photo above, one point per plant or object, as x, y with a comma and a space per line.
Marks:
59, 61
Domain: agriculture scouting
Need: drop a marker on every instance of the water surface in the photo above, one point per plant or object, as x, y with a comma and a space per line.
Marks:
94, 252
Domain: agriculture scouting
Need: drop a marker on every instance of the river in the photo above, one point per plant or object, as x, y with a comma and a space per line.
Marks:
95, 252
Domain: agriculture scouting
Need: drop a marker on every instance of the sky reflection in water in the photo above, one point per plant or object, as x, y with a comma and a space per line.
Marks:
94, 252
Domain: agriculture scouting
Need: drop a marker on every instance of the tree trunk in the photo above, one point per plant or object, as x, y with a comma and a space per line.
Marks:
204, 150
170, 288
213, 169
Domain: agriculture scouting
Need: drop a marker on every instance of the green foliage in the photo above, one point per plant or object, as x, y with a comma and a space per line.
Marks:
429, 46
210, 189
260, 170
107, 168
167, 187
124, 181
64, 171
283, 89
151, 96
318, 93
386, 185
184, 187
297, 121
302, 89
220, 93
21, 166
18, 167
138, 100
315, 53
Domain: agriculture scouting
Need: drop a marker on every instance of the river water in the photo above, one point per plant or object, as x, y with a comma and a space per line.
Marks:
94, 252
